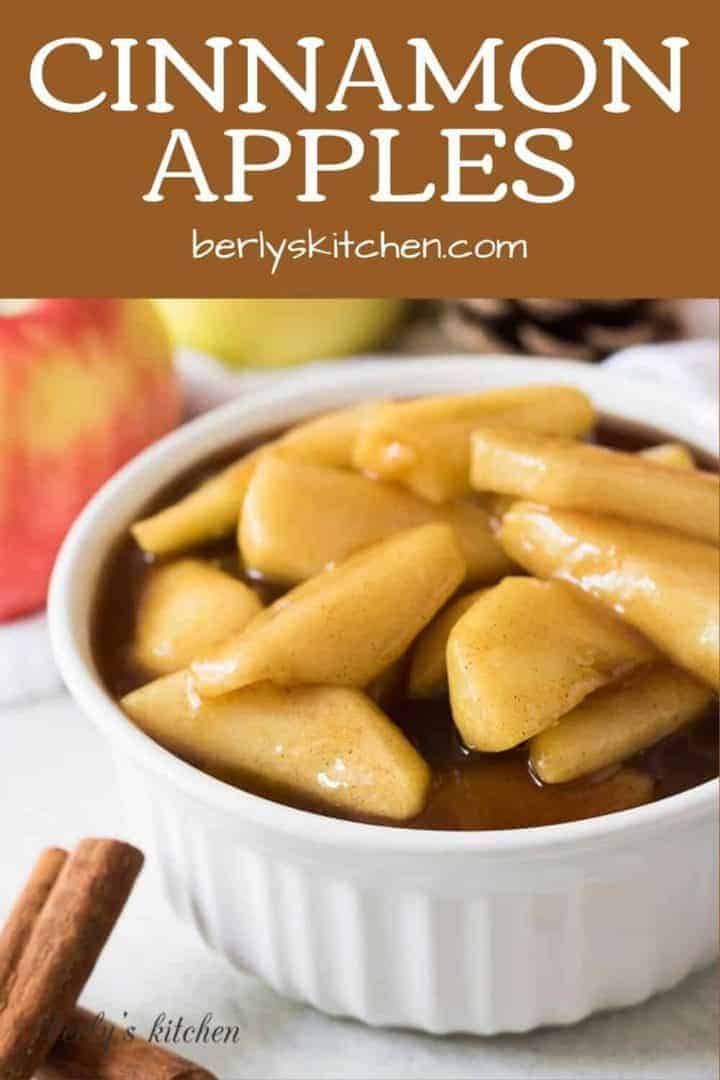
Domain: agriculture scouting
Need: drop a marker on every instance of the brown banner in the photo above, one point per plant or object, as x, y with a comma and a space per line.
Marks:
640, 219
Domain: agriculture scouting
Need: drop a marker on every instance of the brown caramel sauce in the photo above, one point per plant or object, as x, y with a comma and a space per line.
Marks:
469, 790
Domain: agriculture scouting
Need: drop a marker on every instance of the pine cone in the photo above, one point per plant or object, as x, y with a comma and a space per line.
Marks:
577, 329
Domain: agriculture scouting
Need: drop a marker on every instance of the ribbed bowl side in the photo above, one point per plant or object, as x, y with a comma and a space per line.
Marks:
474, 951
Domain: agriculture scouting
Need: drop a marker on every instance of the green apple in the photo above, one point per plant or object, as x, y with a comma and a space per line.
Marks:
277, 333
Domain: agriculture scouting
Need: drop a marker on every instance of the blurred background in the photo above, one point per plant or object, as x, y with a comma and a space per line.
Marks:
85, 384
270, 333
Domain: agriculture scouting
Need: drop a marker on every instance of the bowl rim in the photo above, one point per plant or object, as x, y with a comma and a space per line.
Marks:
154, 466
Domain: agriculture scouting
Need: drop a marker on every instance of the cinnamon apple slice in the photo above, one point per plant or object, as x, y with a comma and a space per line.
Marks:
673, 454
185, 607
617, 722
427, 677
298, 518
574, 476
528, 651
425, 444
205, 514
665, 584
326, 747
346, 625
212, 509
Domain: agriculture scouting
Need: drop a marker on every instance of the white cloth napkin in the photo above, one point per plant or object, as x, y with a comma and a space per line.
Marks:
688, 368
27, 669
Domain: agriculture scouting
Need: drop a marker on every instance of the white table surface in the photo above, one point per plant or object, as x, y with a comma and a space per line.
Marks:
57, 784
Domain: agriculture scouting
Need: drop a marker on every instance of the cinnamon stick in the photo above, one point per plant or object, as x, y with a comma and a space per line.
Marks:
21, 921
93, 1048
60, 952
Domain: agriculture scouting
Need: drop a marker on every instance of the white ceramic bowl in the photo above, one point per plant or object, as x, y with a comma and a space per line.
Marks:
444, 931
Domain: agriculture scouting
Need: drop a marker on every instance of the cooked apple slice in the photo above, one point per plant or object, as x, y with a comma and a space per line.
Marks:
298, 519
666, 585
528, 651
428, 663
474, 527
323, 746
345, 626
574, 476
425, 444
618, 721
328, 439
674, 454
498, 793
212, 509
186, 607
207, 513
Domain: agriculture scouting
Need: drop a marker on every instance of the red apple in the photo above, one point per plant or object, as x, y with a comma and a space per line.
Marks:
84, 385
